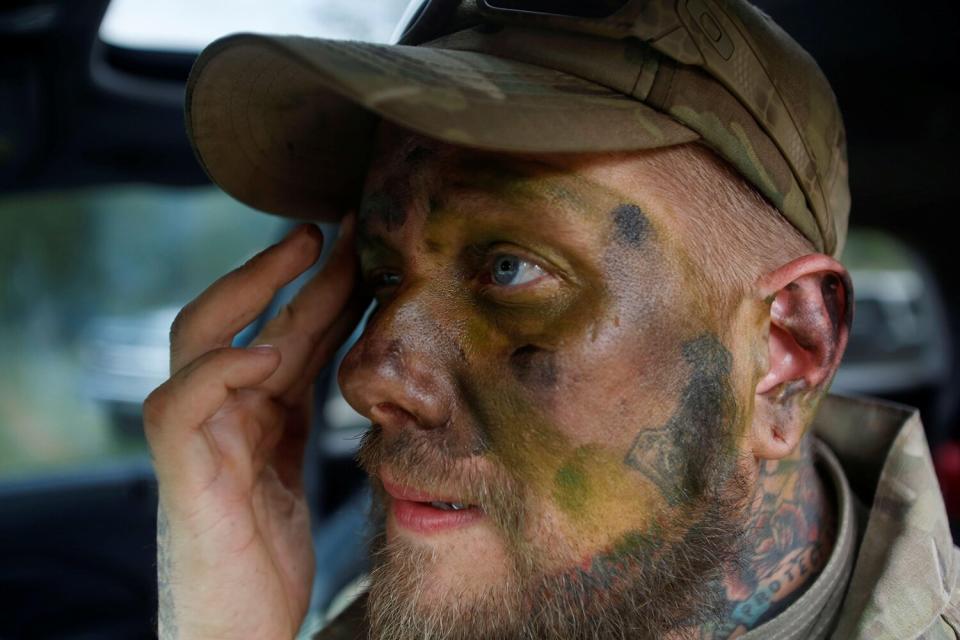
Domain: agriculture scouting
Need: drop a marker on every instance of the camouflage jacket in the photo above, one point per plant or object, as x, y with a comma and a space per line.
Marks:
904, 582
896, 576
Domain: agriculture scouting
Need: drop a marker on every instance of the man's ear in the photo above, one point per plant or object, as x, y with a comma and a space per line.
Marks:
811, 307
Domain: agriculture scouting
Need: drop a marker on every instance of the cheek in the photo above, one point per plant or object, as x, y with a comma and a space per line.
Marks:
562, 414
595, 498
562, 403
623, 375
580, 491
607, 397
535, 368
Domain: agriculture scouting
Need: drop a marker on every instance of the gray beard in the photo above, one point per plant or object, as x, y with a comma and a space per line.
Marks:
646, 588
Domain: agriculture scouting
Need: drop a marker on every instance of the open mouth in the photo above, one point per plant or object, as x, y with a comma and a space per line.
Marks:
421, 512
449, 506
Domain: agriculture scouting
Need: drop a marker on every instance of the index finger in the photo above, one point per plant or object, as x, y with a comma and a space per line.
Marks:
304, 325
212, 319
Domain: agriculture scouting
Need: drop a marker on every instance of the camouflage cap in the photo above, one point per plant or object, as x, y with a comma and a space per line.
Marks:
285, 124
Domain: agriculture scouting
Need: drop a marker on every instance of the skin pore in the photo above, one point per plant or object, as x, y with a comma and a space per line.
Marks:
539, 351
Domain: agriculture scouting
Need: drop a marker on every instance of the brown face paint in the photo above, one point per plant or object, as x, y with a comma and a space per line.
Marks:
387, 198
381, 209
631, 224
535, 367
524, 182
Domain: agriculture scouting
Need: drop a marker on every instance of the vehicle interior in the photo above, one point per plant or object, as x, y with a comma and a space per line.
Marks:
108, 225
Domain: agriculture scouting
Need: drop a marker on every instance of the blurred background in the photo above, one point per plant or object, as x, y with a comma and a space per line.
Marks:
108, 226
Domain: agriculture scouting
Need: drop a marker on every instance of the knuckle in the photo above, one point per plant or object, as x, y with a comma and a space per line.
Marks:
155, 406
211, 367
215, 361
222, 354
251, 264
181, 322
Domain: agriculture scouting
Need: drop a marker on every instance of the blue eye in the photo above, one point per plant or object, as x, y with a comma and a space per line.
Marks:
508, 269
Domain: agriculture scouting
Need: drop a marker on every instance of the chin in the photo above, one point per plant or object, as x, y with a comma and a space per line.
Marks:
453, 584
457, 564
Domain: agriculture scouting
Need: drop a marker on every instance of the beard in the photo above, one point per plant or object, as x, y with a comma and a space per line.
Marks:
663, 582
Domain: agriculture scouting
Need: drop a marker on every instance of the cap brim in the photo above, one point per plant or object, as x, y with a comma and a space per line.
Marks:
285, 124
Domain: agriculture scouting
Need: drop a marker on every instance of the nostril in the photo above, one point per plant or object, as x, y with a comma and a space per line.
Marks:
388, 414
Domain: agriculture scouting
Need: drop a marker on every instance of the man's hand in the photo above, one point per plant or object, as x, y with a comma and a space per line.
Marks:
227, 434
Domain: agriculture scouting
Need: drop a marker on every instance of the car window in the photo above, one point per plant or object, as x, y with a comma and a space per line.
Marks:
147, 24
900, 323
90, 281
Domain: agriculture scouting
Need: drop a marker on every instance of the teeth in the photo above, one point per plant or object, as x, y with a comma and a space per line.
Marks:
448, 506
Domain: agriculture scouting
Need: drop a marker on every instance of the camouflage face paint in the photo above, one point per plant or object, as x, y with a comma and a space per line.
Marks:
687, 454
614, 586
390, 190
632, 225
535, 367
382, 209
553, 382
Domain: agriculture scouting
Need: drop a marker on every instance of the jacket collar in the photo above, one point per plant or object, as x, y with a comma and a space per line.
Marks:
906, 568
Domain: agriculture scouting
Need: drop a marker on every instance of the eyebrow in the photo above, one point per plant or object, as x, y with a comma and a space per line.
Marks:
528, 179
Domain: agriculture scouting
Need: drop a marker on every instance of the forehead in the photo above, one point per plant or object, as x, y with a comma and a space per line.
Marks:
413, 174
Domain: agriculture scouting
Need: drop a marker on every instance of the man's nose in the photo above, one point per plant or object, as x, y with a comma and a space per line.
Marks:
398, 373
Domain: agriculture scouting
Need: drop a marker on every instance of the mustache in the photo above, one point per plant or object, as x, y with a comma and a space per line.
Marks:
419, 462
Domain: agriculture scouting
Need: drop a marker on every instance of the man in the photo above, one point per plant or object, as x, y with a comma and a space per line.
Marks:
607, 314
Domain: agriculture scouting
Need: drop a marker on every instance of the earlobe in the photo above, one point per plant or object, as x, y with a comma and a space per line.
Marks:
810, 311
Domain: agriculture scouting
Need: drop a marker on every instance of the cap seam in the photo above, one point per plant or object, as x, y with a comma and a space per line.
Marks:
793, 121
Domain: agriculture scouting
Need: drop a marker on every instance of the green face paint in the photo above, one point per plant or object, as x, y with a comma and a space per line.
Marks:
572, 492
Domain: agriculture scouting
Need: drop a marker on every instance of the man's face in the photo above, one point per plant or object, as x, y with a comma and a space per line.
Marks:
538, 356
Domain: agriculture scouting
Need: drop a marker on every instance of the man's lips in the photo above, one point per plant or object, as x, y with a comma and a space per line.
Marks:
424, 512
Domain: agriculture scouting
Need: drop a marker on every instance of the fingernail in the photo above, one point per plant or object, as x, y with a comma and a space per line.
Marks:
308, 229
304, 229
262, 349
296, 231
